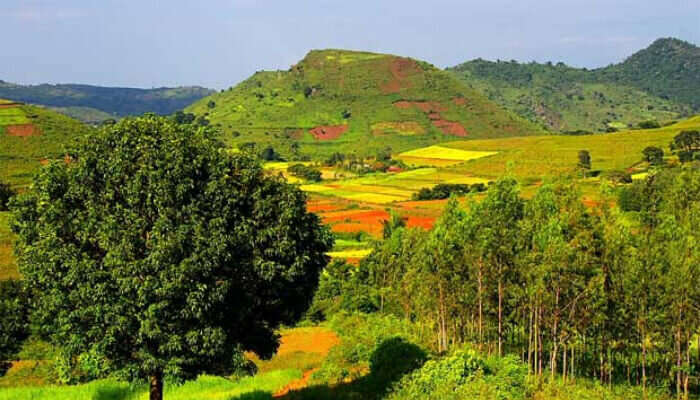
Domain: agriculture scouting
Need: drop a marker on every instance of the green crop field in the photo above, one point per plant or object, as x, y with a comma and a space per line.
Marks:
354, 97
12, 116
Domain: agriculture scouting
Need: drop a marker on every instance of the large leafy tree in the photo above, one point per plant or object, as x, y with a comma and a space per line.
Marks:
164, 253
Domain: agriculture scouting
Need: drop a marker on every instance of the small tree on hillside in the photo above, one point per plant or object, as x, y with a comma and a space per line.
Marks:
165, 254
584, 161
686, 144
653, 155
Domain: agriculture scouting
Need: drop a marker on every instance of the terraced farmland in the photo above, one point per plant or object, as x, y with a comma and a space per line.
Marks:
389, 188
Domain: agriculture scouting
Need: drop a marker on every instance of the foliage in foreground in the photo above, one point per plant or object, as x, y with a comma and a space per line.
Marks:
155, 252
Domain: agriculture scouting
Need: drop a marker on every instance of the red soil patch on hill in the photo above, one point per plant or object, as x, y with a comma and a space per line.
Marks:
24, 130
10, 105
328, 132
450, 128
401, 70
460, 101
425, 106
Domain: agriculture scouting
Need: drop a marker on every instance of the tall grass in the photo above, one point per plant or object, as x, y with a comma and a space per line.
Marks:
204, 388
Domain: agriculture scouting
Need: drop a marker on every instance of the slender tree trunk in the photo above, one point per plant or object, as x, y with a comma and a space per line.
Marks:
500, 317
156, 390
644, 365
529, 343
687, 374
573, 364
563, 367
679, 358
481, 307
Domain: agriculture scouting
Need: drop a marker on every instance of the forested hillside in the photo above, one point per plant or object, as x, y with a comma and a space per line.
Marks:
94, 104
659, 83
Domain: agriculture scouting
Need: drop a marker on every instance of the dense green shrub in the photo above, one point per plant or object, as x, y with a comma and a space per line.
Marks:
305, 172
465, 375
360, 337
394, 358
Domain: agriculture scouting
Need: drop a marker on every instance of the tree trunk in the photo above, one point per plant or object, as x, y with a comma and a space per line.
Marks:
563, 367
481, 315
679, 361
529, 343
644, 365
500, 317
156, 391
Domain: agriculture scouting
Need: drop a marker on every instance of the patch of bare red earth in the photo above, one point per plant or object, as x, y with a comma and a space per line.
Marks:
401, 69
433, 109
320, 341
24, 130
328, 132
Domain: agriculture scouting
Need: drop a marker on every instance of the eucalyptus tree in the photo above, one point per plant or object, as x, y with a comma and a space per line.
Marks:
164, 253
494, 228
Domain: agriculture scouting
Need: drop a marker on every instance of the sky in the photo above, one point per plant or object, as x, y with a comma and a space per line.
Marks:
218, 43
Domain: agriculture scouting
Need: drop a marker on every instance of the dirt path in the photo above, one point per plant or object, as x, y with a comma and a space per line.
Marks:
297, 384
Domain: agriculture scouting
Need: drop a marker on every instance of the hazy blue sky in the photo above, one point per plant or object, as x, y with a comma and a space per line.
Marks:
217, 43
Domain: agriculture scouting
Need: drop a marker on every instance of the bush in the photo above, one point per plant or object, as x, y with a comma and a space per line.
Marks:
650, 124
6, 192
360, 337
305, 172
394, 358
465, 375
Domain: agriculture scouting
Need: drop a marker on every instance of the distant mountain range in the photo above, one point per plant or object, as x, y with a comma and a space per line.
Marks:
661, 82
94, 104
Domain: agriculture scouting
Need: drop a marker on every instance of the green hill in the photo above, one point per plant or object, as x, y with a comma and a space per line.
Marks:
95, 103
30, 135
659, 83
346, 101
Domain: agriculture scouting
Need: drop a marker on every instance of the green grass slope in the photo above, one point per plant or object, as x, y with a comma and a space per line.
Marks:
30, 135
661, 83
355, 102
85, 101
532, 158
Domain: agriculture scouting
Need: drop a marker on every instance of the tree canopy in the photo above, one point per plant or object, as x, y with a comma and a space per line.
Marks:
160, 251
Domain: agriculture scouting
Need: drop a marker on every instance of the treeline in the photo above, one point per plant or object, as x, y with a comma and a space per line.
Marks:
445, 190
573, 291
